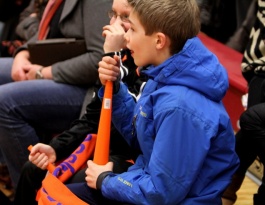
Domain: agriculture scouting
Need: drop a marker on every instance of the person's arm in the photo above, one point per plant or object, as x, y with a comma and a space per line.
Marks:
27, 11
28, 22
122, 114
28, 27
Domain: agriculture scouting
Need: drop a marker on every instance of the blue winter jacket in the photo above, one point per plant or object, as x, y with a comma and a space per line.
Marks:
183, 131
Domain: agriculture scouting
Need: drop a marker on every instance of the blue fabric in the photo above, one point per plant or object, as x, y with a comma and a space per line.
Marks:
5, 74
28, 108
183, 131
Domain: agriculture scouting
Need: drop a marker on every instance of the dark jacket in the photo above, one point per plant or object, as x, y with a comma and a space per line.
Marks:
10, 9
28, 25
81, 20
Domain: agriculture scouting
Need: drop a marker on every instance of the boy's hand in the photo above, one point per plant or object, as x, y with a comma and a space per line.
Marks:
109, 69
94, 170
41, 155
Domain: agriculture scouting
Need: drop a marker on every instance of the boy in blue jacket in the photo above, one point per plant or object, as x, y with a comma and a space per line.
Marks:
179, 123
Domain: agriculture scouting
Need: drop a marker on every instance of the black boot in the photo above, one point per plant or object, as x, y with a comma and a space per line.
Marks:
230, 192
258, 199
4, 199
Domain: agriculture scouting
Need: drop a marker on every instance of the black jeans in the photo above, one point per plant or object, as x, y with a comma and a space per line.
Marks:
256, 91
250, 139
250, 144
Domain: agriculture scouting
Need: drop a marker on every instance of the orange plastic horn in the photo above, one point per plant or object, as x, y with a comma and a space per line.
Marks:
101, 154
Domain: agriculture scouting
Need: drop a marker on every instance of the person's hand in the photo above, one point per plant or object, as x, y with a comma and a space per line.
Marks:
31, 70
21, 59
33, 15
41, 155
94, 170
109, 69
114, 37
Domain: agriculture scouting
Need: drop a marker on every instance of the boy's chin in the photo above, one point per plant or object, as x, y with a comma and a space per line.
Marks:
141, 64
137, 64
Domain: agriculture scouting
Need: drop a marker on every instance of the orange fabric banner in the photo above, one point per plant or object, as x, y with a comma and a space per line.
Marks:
53, 191
77, 159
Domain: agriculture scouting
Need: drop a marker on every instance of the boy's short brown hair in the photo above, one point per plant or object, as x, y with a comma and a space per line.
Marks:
178, 19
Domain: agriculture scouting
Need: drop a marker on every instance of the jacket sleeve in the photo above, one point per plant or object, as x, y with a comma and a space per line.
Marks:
122, 114
27, 26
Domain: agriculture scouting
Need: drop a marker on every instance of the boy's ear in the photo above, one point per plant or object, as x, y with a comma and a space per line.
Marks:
161, 40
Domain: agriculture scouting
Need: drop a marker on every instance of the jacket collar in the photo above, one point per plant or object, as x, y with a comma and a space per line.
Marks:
68, 7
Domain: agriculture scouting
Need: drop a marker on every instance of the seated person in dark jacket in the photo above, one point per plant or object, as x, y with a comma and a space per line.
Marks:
36, 100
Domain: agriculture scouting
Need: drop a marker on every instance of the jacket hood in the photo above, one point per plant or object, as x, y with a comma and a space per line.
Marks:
194, 67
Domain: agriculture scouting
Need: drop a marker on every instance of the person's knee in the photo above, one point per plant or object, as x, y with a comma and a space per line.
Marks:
31, 171
251, 119
13, 97
7, 98
6, 67
32, 174
29, 168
